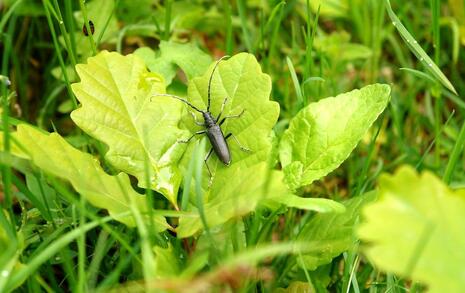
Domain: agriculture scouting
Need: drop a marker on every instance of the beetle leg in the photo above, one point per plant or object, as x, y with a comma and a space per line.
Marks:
197, 133
244, 149
208, 168
195, 119
222, 108
231, 116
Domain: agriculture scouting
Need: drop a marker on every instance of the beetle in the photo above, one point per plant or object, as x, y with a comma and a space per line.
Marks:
91, 26
212, 126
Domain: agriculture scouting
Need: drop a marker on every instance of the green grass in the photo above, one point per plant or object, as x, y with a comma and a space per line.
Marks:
53, 240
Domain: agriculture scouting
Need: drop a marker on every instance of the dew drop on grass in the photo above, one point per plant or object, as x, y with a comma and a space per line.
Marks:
5, 273
430, 65
393, 23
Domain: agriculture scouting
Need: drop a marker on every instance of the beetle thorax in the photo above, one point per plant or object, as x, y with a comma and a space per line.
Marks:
209, 119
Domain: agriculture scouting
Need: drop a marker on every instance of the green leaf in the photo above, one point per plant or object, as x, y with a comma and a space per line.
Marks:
15, 152
416, 229
247, 182
135, 11
247, 88
43, 197
457, 8
115, 92
235, 189
323, 134
321, 205
157, 64
193, 61
296, 287
337, 46
24, 8
328, 235
185, 15
55, 156
329, 8
166, 262
239, 190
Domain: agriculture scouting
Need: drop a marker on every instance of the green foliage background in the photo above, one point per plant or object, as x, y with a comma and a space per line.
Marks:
98, 193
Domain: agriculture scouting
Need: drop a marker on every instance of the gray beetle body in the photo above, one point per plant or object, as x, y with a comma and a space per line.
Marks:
216, 138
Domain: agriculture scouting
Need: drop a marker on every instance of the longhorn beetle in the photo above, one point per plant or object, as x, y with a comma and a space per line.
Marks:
212, 126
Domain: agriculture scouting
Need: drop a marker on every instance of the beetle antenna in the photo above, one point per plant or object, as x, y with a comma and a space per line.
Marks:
211, 77
181, 99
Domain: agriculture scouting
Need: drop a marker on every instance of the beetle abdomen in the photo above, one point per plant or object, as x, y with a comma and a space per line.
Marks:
219, 144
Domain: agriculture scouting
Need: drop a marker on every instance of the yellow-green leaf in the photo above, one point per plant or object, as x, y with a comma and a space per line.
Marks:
117, 108
323, 134
416, 230
51, 153
247, 88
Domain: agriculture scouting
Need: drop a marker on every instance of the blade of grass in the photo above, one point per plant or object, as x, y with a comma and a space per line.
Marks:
376, 36
369, 157
28, 269
64, 33
107, 22
45, 198
272, 24
435, 6
167, 31
310, 36
5, 100
69, 21
148, 259
187, 183
435, 11
303, 265
295, 81
420, 74
430, 146
149, 195
454, 27
67, 195
229, 27
454, 157
114, 276
102, 245
82, 255
242, 9
82, 5
56, 44
274, 35
418, 51
128, 28
454, 99
199, 153
8, 14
